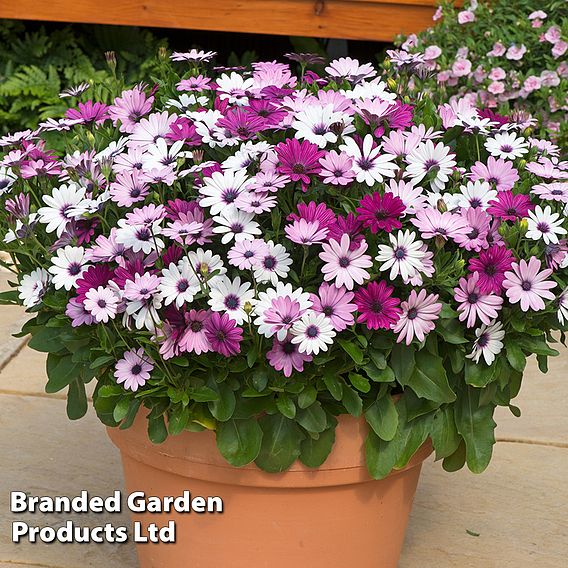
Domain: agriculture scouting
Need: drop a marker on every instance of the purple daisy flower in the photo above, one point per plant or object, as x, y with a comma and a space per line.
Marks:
133, 369
377, 307
223, 334
381, 212
335, 303
491, 266
509, 206
299, 160
285, 356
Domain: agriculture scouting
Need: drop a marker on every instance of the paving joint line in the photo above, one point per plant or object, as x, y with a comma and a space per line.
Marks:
11, 356
530, 442
34, 564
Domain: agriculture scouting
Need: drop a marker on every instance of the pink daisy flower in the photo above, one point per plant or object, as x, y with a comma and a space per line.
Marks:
128, 188
381, 212
129, 108
101, 303
247, 254
133, 369
337, 168
478, 225
499, 173
313, 211
474, 303
491, 266
335, 303
527, 284
378, 309
306, 232
343, 265
223, 334
432, 223
419, 313
194, 339
89, 112
285, 356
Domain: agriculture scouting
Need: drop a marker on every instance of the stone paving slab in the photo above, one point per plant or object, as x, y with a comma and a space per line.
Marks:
11, 320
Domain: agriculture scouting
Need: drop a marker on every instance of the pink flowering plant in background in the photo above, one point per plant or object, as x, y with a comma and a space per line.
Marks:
262, 250
506, 56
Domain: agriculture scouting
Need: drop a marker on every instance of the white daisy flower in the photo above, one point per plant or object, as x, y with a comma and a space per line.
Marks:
193, 55
375, 89
350, 69
313, 333
403, 256
369, 165
138, 238
247, 153
206, 265
63, 205
432, 160
488, 343
230, 296
475, 194
179, 283
33, 287
563, 307
161, 155
222, 189
507, 145
7, 179
314, 124
143, 301
185, 102
235, 224
204, 125
411, 195
544, 224
67, 267
234, 88
273, 265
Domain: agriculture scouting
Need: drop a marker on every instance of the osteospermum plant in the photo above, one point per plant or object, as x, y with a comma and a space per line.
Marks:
261, 251
509, 57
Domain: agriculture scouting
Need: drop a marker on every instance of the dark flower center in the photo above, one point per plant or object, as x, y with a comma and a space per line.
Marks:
400, 253
327, 311
365, 164
506, 148
473, 234
475, 203
182, 286
220, 335
483, 340
230, 195
491, 270
298, 168
473, 298
511, 211
269, 262
526, 285
288, 348
376, 307
237, 228
74, 269
143, 234
101, 303
344, 262
136, 369
248, 254
312, 331
196, 326
543, 227
412, 313
232, 302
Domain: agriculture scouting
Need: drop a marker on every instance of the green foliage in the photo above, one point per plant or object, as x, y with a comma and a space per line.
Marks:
35, 66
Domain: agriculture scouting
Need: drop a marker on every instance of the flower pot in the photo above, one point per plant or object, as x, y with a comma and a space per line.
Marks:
330, 517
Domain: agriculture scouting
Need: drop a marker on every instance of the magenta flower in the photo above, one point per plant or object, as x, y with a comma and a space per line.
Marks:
381, 212
343, 265
527, 284
474, 303
36, 168
349, 225
491, 266
183, 129
378, 309
223, 334
509, 206
242, 124
419, 313
299, 160
133, 369
499, 173
312, 212
335, 303
284, 356
89, 112
93, 277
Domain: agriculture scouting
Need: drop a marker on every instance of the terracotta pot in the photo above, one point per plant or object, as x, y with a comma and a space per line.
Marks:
335, 516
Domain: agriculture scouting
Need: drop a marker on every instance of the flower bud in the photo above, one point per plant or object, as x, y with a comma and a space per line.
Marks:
528, 131
90, 138
406, 99
387, 63
439, 242
247, 308
503, 229
441, 205
522, 164
198, 156
110, 57
162, 52
523, 226
391, 83
204, 270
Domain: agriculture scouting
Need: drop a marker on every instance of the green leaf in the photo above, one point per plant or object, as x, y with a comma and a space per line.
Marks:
333, 384
352, 350
456, 460
286, 406
451, 330
178, 419
157, 431
313, 418
402, 362
479, 374
239, 441
445, 437
352, 401
315, 452
203, 394
131, 415
476, 425
307, 397
61, 372
280, 443
260, 379
515, 356
429, 380
76, 400
102, 361
379, 455
377, 375
121, 409
382, 416
223, 408
359, 382
46, 340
